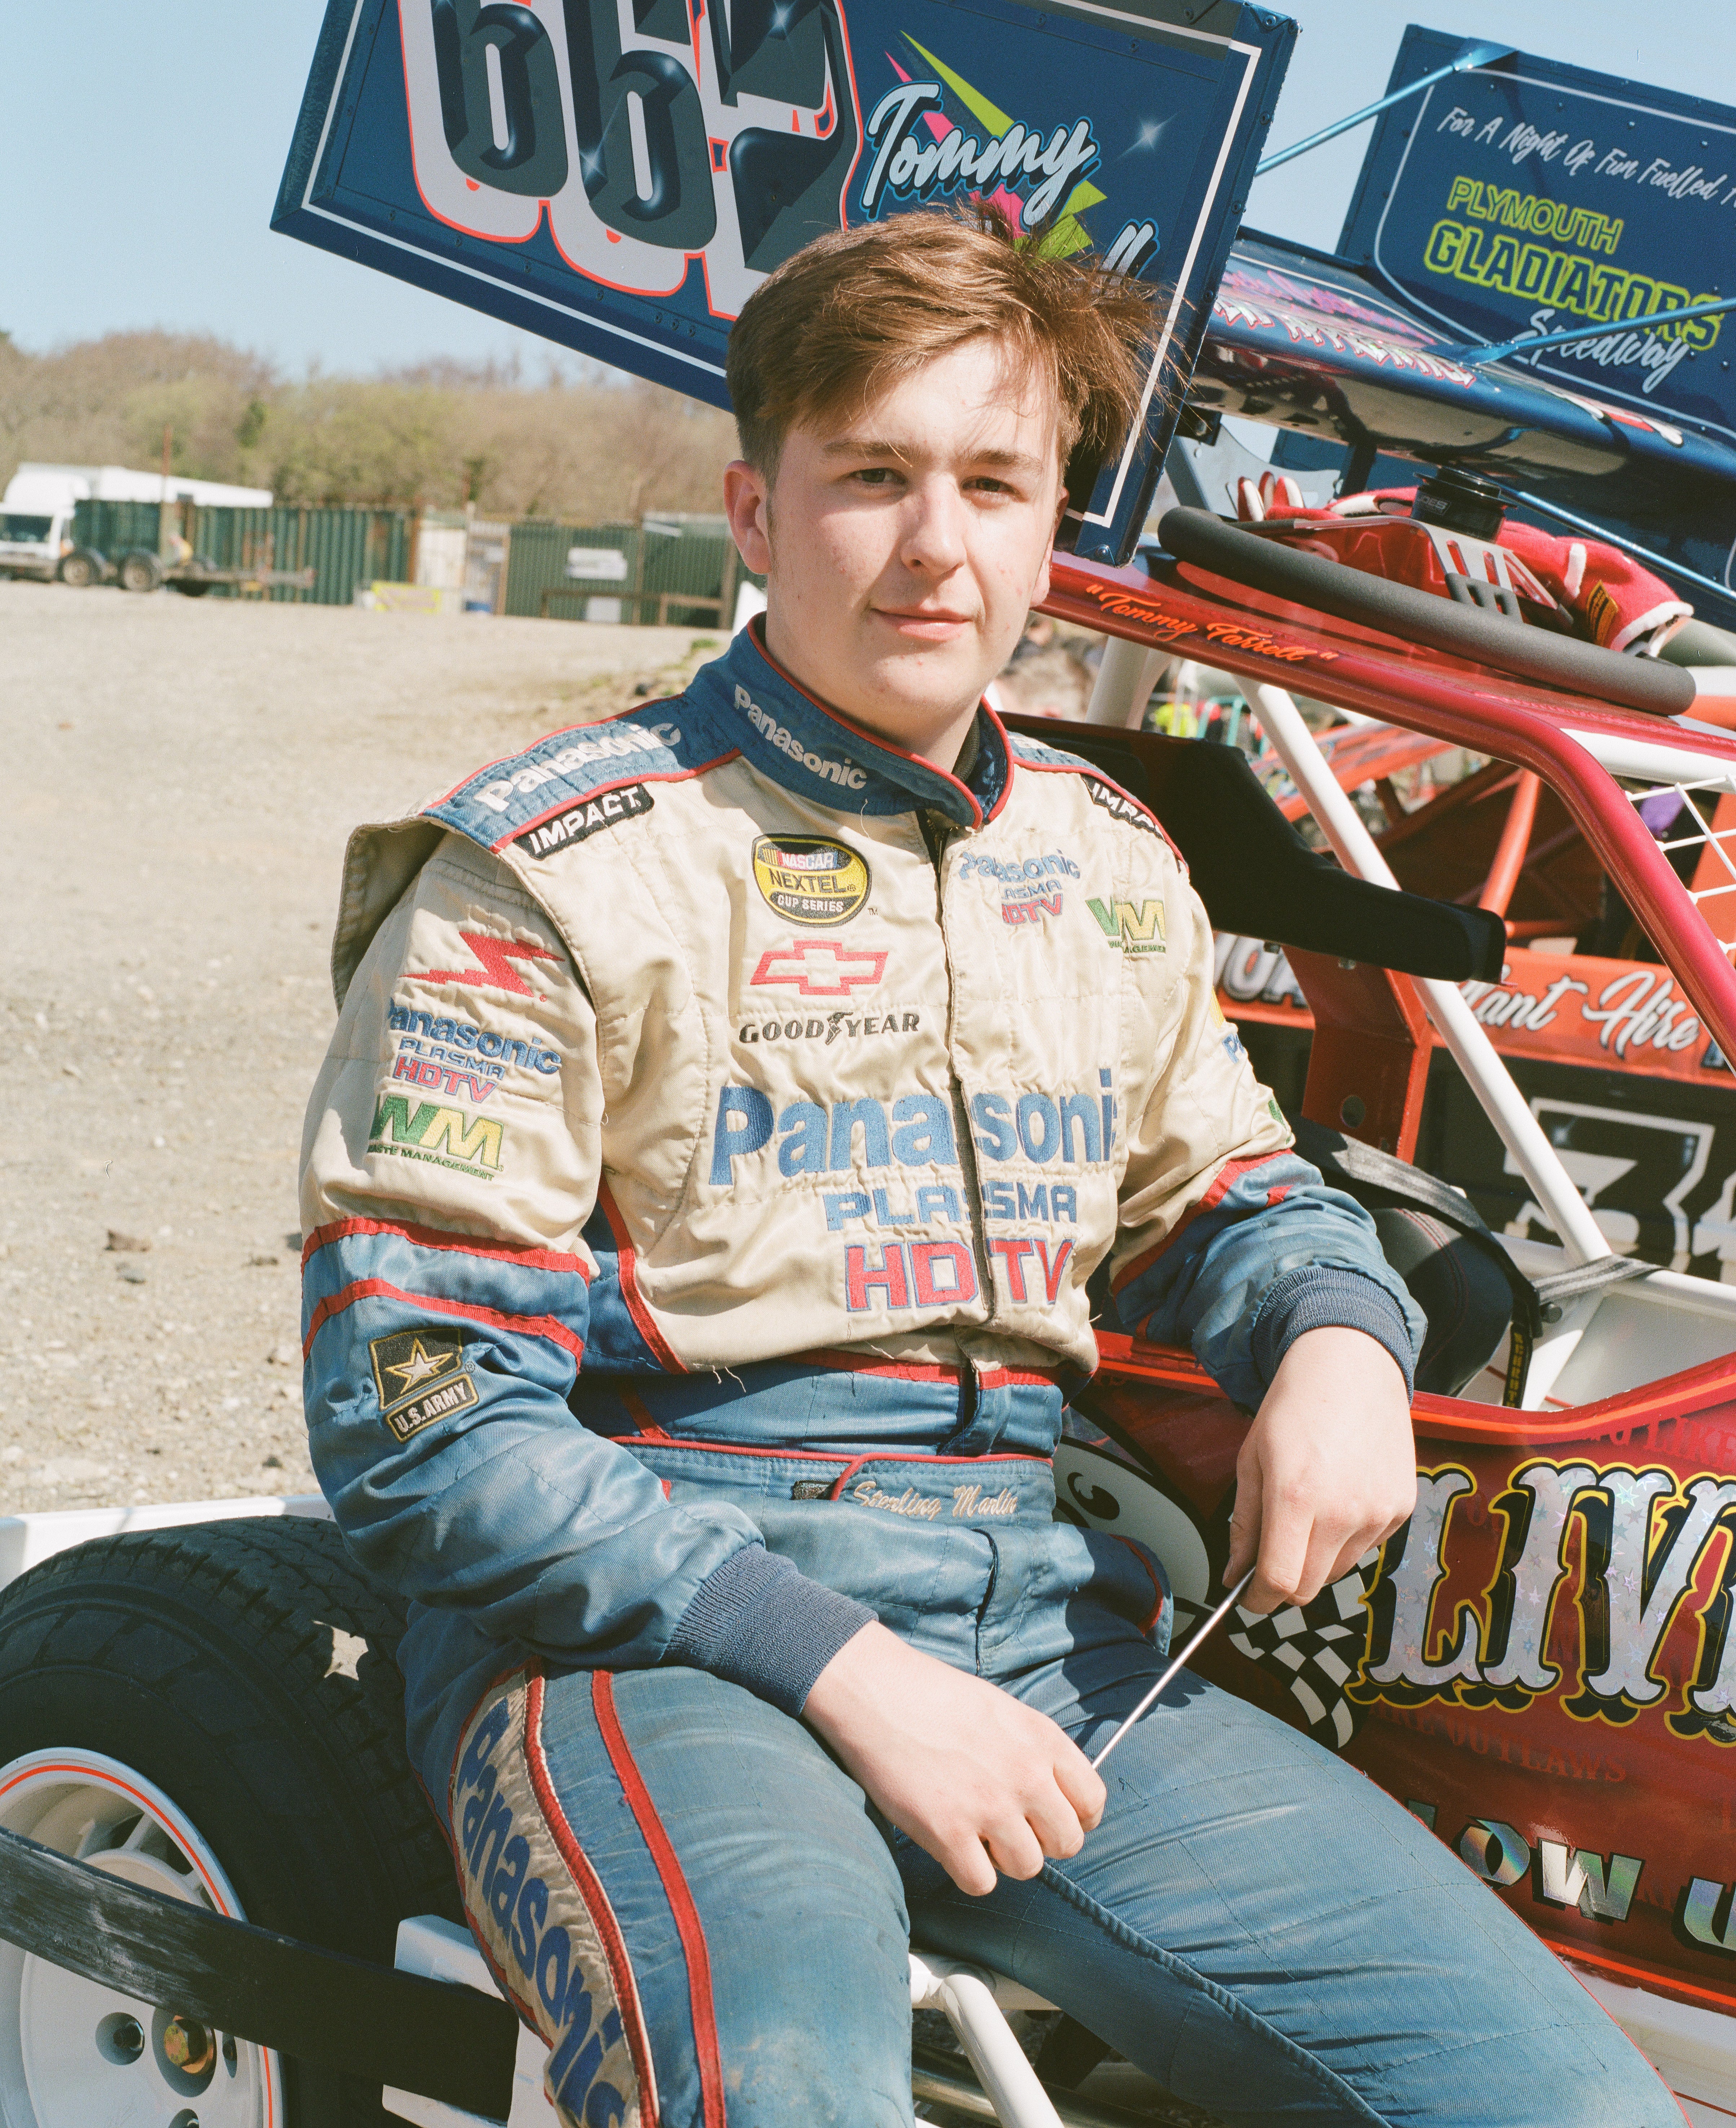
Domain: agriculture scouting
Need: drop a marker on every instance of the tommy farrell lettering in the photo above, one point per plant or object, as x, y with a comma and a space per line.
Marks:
913, 167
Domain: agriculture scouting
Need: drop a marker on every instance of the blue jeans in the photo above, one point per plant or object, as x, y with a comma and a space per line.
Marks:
698, 1909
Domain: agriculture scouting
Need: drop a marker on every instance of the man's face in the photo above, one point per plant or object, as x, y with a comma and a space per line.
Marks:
903, 549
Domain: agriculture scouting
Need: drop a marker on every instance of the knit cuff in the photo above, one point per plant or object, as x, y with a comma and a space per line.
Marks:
758, 1621
1321, 1297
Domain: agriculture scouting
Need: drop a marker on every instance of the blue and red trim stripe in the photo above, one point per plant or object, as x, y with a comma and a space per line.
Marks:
638, 1338
379, 1288
590, 1887
520, 1289
689, 1929
1226, 1180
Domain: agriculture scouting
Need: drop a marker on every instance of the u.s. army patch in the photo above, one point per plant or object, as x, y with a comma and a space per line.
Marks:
420, 1376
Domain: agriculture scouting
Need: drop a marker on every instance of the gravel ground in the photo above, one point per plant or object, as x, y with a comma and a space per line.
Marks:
184, 775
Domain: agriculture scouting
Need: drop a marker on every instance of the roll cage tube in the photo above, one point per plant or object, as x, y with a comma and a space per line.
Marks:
1496, 892
1464, 1035
1569, 739
1267, 563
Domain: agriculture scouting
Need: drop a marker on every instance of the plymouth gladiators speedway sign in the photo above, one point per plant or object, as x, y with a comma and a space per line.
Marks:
621, 175
1531, 197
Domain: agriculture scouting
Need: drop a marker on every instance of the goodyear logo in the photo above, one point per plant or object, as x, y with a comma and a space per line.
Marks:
1130, 927
446, 1136
810, 879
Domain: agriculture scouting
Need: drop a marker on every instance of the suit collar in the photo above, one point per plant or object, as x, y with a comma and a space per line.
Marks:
819, 754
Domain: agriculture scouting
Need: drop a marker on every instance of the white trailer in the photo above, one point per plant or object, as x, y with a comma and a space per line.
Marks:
37, 511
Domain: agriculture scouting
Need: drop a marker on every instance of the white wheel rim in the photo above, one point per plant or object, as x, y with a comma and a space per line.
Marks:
74, 2053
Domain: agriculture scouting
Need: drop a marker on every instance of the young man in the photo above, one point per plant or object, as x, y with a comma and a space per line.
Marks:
760, 1049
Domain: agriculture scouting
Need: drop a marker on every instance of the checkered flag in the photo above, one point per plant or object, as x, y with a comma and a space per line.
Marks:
1316, 1650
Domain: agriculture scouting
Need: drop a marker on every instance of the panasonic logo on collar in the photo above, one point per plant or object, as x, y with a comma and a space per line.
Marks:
844, 773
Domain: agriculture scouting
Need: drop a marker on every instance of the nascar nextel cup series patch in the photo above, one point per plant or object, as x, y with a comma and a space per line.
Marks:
809, 879
420, 1377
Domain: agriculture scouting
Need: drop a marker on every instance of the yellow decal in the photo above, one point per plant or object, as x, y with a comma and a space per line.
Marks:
809, 879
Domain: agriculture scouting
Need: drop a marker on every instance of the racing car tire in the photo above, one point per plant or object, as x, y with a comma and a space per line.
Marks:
246, 1669
1267, 565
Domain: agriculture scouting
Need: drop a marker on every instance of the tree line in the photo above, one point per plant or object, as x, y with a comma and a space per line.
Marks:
577, 444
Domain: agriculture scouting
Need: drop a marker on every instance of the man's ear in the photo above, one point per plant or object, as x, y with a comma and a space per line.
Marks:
746, 503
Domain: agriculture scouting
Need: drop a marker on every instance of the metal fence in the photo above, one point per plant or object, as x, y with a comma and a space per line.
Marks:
345, 548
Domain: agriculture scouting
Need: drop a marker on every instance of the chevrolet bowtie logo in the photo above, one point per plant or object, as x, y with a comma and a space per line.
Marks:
820, 967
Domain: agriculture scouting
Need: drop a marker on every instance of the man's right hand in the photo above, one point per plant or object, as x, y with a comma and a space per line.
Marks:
981, 1782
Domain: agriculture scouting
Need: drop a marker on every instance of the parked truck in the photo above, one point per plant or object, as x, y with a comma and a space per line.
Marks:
39, 536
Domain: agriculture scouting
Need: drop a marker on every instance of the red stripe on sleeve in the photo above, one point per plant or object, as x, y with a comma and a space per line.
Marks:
370, 1289
440, 1238
1228, 1176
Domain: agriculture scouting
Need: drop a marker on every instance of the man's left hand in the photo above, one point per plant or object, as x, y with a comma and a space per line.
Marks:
1329, 1468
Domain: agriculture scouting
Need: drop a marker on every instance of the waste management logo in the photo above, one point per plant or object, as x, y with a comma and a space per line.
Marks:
447, 1136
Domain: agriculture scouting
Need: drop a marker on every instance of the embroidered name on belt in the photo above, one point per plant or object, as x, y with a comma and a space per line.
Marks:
969, 1502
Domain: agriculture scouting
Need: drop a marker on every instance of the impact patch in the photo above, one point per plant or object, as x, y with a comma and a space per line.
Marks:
420, 1376
543, 1920
1121, 807
580, 821
809, 879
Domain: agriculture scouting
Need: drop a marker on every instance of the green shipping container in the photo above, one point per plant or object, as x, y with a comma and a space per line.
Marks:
115, 529
345, 548
537, 563
679, 571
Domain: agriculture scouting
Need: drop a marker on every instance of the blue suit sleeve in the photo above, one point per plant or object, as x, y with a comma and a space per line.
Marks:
1277, 1254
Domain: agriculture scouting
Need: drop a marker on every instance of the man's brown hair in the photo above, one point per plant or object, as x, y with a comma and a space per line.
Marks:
858, 310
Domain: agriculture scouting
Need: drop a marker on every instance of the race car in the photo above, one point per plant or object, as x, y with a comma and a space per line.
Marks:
1634, 1090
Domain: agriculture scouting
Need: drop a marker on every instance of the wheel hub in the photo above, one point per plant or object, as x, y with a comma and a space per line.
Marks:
188, 2046
73, 2051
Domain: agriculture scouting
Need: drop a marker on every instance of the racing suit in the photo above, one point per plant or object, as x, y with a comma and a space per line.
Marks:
726, 1113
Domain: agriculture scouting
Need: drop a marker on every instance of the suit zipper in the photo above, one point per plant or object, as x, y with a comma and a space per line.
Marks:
937, 835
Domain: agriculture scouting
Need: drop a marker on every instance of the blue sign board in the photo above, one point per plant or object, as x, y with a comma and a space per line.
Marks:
1528, 196
621, 175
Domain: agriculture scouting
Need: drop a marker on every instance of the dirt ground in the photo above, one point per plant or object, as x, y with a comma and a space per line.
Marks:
181, 776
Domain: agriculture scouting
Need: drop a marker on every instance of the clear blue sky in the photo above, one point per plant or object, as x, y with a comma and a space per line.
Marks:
144, 144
